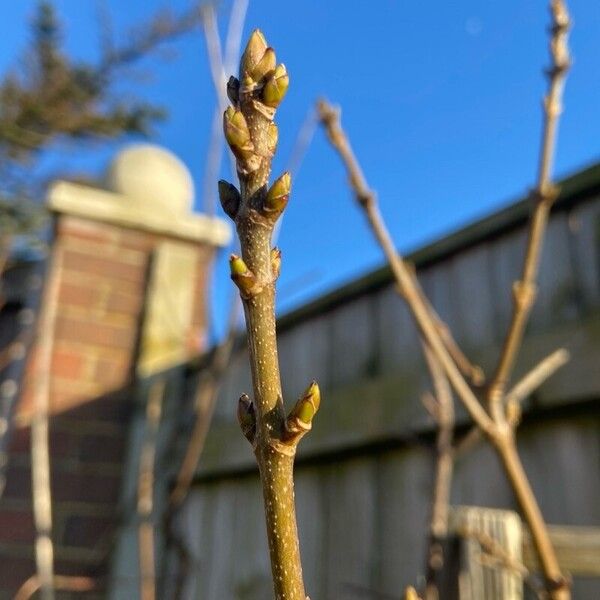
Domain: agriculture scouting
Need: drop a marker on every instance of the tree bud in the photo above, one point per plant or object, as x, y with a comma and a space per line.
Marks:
307, 406
276, 87
278, 194
236, 132
254, 52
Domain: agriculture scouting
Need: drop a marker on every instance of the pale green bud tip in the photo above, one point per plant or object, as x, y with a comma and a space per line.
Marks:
308, 405
235, 128
279, 193
255, 50
237, 266
265, 66
276, 87
313, 393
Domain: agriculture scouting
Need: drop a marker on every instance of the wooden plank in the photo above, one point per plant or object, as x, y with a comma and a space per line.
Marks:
305, 353
477, 578
472, 298
404, 485
353, 341
584, 227
577, 548
396, 331
350, 534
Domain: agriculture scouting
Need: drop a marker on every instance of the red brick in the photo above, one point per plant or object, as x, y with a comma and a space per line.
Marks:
16, 526
68, 364
103, 266
77, 295
101, 334
138, 240
113, 373
94, 280
122, 302
72, 227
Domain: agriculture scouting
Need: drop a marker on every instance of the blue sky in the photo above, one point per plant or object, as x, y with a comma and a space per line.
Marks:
441, 100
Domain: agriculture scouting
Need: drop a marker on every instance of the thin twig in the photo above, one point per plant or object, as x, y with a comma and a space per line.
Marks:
402, 272
40, 455
145, 491
438, 524
515, 397
471, 371
543, 196
537, 376
497, 425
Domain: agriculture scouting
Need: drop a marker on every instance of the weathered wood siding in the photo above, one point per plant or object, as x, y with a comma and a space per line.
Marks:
364, 473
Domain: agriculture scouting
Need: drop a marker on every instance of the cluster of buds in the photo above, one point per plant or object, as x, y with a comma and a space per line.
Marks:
259, 74
249, 128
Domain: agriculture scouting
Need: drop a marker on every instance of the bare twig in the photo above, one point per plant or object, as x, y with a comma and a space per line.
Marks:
515, 397
40, 456
537, 376
401, 270
438, 524
145, 491
499, 424
67, 583
543, 196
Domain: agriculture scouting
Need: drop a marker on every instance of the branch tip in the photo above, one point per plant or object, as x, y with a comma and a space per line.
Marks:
254, 52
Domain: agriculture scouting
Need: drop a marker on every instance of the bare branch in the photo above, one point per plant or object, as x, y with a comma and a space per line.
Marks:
543, 196
402, 273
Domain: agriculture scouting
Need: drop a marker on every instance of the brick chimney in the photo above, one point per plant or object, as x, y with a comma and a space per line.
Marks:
132, 295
